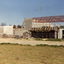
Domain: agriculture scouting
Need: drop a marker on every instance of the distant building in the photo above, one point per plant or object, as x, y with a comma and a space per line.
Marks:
6, 31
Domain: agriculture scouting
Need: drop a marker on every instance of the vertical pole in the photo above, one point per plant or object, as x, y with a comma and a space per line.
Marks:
56, 34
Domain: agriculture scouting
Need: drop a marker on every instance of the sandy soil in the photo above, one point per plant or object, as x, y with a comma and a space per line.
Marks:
29, 41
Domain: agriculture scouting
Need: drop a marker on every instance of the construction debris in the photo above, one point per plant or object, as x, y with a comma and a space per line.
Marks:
26, 34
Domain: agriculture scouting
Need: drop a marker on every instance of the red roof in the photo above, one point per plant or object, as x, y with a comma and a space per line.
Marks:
50, 19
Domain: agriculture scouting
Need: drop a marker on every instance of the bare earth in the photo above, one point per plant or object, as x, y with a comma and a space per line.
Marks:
29, 41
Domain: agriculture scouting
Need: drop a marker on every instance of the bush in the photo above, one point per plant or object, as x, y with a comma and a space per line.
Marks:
62, 39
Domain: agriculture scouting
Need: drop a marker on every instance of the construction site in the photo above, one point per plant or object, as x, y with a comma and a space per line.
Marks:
43, 27
38, 27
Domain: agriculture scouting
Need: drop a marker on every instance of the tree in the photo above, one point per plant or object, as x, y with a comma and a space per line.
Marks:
3, 24
14, 26
19, 26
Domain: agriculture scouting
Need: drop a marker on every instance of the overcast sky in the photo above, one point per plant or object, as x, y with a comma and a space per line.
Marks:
14, 11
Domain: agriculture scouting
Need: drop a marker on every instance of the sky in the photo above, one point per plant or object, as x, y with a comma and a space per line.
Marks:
13, 12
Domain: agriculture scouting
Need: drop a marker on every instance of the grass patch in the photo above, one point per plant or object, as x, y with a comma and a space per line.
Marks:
44, 54
53, 40
62, 39
38, 39
14, 44
8, 43
26, 45
43, 45
26, 38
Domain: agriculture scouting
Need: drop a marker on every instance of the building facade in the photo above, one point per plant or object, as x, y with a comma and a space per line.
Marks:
6, 31
42, 27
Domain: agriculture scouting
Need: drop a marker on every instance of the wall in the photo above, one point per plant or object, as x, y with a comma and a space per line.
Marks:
41, 24
28, 23
1, 30
18, 32
60, 33
8, 30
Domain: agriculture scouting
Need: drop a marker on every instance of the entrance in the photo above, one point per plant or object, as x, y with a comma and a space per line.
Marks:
62, 33
50, 34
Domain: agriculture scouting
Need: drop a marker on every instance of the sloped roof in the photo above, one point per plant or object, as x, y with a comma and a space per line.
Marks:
50, 19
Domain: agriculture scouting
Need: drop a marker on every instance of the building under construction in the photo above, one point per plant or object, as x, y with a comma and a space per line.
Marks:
43, 27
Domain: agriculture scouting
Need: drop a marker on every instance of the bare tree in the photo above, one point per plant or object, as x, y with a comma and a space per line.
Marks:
3, 24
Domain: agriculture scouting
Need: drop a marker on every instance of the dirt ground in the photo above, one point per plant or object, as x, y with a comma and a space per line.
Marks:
29, 41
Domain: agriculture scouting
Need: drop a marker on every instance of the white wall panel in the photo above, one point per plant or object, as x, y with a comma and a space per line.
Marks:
8, 30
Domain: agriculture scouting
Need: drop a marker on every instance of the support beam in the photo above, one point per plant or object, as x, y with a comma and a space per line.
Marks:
56, 34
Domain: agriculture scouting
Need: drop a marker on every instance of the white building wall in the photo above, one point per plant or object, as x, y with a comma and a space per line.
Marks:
41, 24
60, 33
18, 32
8, 30
1, 29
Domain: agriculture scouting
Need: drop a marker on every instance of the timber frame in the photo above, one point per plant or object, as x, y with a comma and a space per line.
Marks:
38, 26
43, 29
